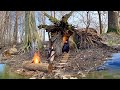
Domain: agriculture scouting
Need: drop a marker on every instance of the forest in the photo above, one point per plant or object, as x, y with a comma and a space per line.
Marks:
59, 44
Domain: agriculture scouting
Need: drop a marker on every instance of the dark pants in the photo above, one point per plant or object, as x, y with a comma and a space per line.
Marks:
65, 48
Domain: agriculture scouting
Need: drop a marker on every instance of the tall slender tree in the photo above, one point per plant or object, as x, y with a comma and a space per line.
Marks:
16, 28
100, 22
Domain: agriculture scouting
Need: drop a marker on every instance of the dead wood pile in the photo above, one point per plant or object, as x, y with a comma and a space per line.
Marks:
89, 39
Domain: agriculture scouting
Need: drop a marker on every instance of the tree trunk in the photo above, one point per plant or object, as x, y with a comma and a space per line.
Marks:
54, 14
43, 20
57, 44
72, 42
112, 22
51, 13
31, 34
56, 30
34, 67
16, 28
5, 26
100, 22
76, 39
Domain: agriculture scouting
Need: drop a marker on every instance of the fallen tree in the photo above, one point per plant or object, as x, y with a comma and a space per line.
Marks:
83, 38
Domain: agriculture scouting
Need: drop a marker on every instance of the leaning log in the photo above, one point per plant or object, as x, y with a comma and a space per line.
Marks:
34, 67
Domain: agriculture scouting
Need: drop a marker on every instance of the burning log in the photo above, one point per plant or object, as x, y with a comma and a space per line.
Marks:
34, 67
36, 64
36, 58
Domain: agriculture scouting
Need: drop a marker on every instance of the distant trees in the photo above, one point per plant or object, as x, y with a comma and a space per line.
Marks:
4, 27
11, 24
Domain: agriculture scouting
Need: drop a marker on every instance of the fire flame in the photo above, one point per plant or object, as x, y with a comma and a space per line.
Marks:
65, 38
36, 58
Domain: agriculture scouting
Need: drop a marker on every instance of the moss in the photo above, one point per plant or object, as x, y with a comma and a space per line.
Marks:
110, 42
113, 30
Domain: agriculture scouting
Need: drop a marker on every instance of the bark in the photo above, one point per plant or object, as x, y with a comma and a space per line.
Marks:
31, 34
16, 28
52, 19
67, 16
51, 13
54, 14
43, 20
57, 44
5, 27
57, 31
112, 21
34, 67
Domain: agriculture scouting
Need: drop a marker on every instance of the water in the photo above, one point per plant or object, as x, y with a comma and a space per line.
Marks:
109, 70
5, 73
112, 64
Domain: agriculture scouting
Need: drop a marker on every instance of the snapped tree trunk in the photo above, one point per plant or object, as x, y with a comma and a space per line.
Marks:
57, 31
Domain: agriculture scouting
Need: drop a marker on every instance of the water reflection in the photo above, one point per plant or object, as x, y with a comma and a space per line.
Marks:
112, 64
5, 73
2, 66
109, 70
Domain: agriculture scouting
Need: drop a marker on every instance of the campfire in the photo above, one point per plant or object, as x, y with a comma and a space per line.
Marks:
36, 64
36, 58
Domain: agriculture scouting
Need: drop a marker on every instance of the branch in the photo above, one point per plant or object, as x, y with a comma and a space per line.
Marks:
68, 15
42, 26
52, 19
48, 28
88, 21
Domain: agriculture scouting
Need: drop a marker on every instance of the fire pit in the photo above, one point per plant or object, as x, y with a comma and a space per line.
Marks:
36, 64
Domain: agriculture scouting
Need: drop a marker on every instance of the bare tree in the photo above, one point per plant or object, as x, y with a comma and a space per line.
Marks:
43, 22
100, 22
54, 14
16, 28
